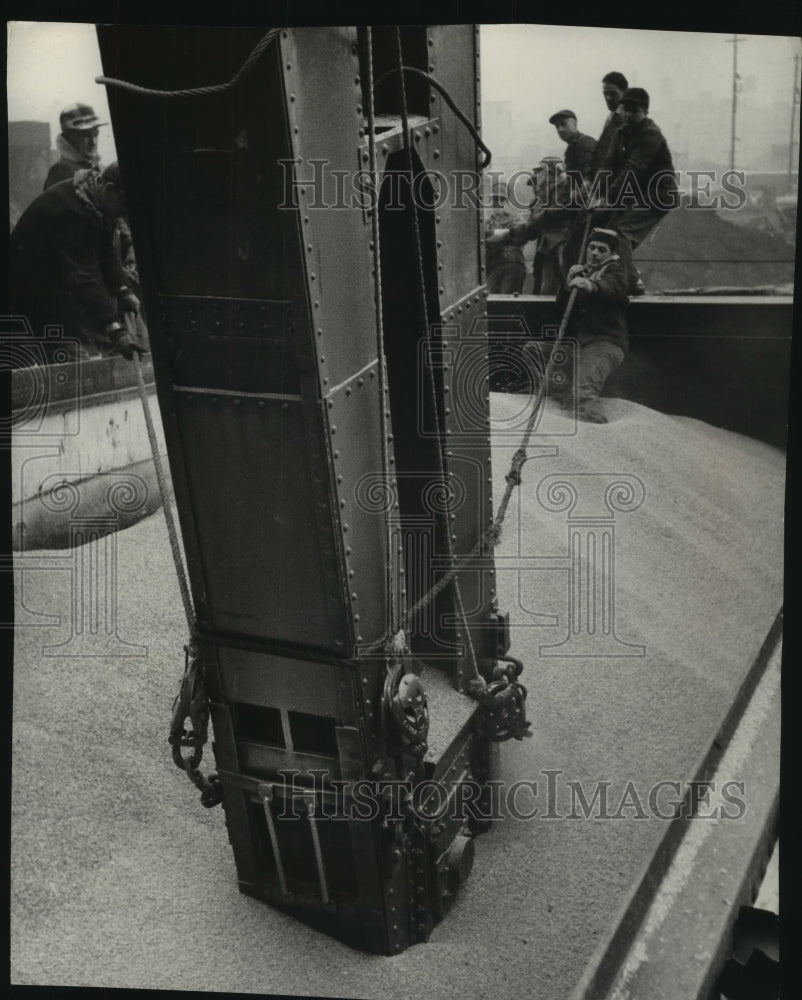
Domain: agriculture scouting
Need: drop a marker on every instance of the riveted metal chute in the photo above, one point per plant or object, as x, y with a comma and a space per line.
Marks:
317, 321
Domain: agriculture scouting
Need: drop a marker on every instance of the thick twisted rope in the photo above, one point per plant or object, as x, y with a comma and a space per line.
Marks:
172, 531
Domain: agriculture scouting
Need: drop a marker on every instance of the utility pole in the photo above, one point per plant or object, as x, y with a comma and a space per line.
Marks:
794, 106
736, 86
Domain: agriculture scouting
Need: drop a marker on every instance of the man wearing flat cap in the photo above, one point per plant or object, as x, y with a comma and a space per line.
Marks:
596, 328
580, 149
77, 143
642, 186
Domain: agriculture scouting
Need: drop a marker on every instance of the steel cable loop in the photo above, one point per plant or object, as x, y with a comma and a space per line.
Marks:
475, 681
219, 88
390, 575
449, 101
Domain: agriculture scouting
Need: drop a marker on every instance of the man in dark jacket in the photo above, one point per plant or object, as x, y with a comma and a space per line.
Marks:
597, 328
63, 269
77, 147
550, 220
614, 86
641, 187
580, 149
504, 263
77, 143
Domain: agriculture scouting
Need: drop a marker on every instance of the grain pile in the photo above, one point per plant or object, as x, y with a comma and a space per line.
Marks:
121, 879
698, 569
712, 518
696, 248
704, 546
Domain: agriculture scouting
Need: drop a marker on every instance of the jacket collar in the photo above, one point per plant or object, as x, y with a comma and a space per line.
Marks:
87, 185
598, 270
634, 129
70, 154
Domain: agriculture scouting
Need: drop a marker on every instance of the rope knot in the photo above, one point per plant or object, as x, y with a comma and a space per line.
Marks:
514, 475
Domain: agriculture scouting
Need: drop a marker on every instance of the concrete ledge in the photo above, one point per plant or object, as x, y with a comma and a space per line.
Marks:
38, 388
111, 500
605, 965
80, 451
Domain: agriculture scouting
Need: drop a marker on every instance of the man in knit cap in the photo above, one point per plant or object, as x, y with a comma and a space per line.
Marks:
77, 143
596, 329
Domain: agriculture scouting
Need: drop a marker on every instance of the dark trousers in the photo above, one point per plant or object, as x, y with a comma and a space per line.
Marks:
574, 380
506, 278
547, 271
633, 226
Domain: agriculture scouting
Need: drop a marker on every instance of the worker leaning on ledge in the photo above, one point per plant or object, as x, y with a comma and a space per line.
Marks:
77, 144
77, 147
64, 271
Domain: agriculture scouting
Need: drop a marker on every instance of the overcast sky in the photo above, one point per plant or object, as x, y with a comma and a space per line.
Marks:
51, 65
553, 66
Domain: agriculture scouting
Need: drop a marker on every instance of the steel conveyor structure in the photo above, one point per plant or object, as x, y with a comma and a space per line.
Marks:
321, 494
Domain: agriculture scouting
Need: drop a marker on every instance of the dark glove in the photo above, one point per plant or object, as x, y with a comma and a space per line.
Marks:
128, 347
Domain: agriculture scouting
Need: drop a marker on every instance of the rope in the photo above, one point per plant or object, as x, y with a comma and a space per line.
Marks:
513, 477
191, 701
390, 562
476, 678
449, 101
219, 88
166, 507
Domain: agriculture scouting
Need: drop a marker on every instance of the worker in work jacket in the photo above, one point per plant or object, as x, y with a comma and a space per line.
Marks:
64, 271
580, 149
549, 223
638, 183
640, 160
596, 329
77, 147
504, 263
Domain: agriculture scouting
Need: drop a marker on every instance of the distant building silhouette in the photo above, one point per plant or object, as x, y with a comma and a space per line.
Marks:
29, 159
